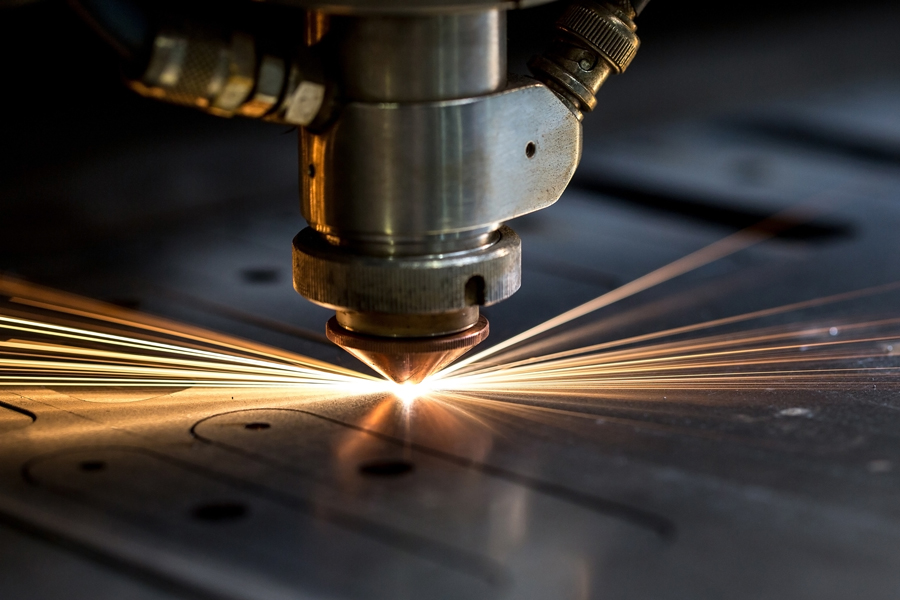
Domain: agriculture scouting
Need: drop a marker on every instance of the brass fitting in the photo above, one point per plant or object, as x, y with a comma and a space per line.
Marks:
594, 42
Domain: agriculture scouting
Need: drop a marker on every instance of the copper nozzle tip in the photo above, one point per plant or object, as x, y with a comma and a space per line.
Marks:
409, 360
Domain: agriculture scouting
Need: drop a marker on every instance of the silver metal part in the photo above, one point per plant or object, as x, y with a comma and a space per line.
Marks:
193, 69
431, 169
269, 84
341, 278
432, 151
228, 77
419, 59
303, 98
240, 71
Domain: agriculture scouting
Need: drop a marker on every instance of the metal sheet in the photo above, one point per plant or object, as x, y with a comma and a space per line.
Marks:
643, 494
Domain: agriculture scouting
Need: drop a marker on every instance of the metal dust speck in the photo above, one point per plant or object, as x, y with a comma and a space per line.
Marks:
880, 466
795, 412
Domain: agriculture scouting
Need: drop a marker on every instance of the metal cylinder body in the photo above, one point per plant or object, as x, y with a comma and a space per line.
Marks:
377, 186
407, 190
358, 189
421, 58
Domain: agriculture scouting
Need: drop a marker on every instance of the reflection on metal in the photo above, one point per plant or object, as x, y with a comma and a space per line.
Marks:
455, 166
667, 445
12, 418
406, 59
428, 484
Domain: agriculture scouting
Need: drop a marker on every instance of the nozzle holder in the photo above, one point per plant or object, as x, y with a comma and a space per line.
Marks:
339, 278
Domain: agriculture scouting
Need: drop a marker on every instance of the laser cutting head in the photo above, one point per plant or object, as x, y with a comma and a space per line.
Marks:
406, 239
415, 148
434, 149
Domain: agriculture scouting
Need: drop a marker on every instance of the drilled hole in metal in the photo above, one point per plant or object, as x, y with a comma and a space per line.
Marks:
92, 465
256, 426
311, 171
386, 468
219, 512
475, 291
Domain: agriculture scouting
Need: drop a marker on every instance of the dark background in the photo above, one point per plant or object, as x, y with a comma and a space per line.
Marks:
732, 112
89, 165
63, 96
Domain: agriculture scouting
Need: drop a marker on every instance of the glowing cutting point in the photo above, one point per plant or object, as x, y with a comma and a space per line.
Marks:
409, 392
407, 360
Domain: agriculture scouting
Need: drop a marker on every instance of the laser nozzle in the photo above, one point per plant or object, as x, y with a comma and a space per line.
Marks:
408, 360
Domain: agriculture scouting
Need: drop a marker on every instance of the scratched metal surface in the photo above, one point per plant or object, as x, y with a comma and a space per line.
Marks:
760, 494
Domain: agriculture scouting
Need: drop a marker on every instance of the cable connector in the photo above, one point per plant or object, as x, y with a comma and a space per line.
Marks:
594, 41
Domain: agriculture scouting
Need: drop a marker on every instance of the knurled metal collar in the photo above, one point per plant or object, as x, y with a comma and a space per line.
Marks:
603, 30
338, 278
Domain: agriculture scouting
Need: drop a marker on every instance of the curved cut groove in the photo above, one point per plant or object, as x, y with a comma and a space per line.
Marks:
13, 418
319, 442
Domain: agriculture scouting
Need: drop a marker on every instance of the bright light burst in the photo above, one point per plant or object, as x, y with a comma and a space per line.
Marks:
52, 339
795, 357
409, 392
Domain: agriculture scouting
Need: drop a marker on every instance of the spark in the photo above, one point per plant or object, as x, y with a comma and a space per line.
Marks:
45, 349
52, 339
794, 357
719, 249
408, 392
704, 256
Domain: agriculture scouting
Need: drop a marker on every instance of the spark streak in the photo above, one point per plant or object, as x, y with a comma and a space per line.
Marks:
727, 246
704, 256
55, 339
798, 356
140, 351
